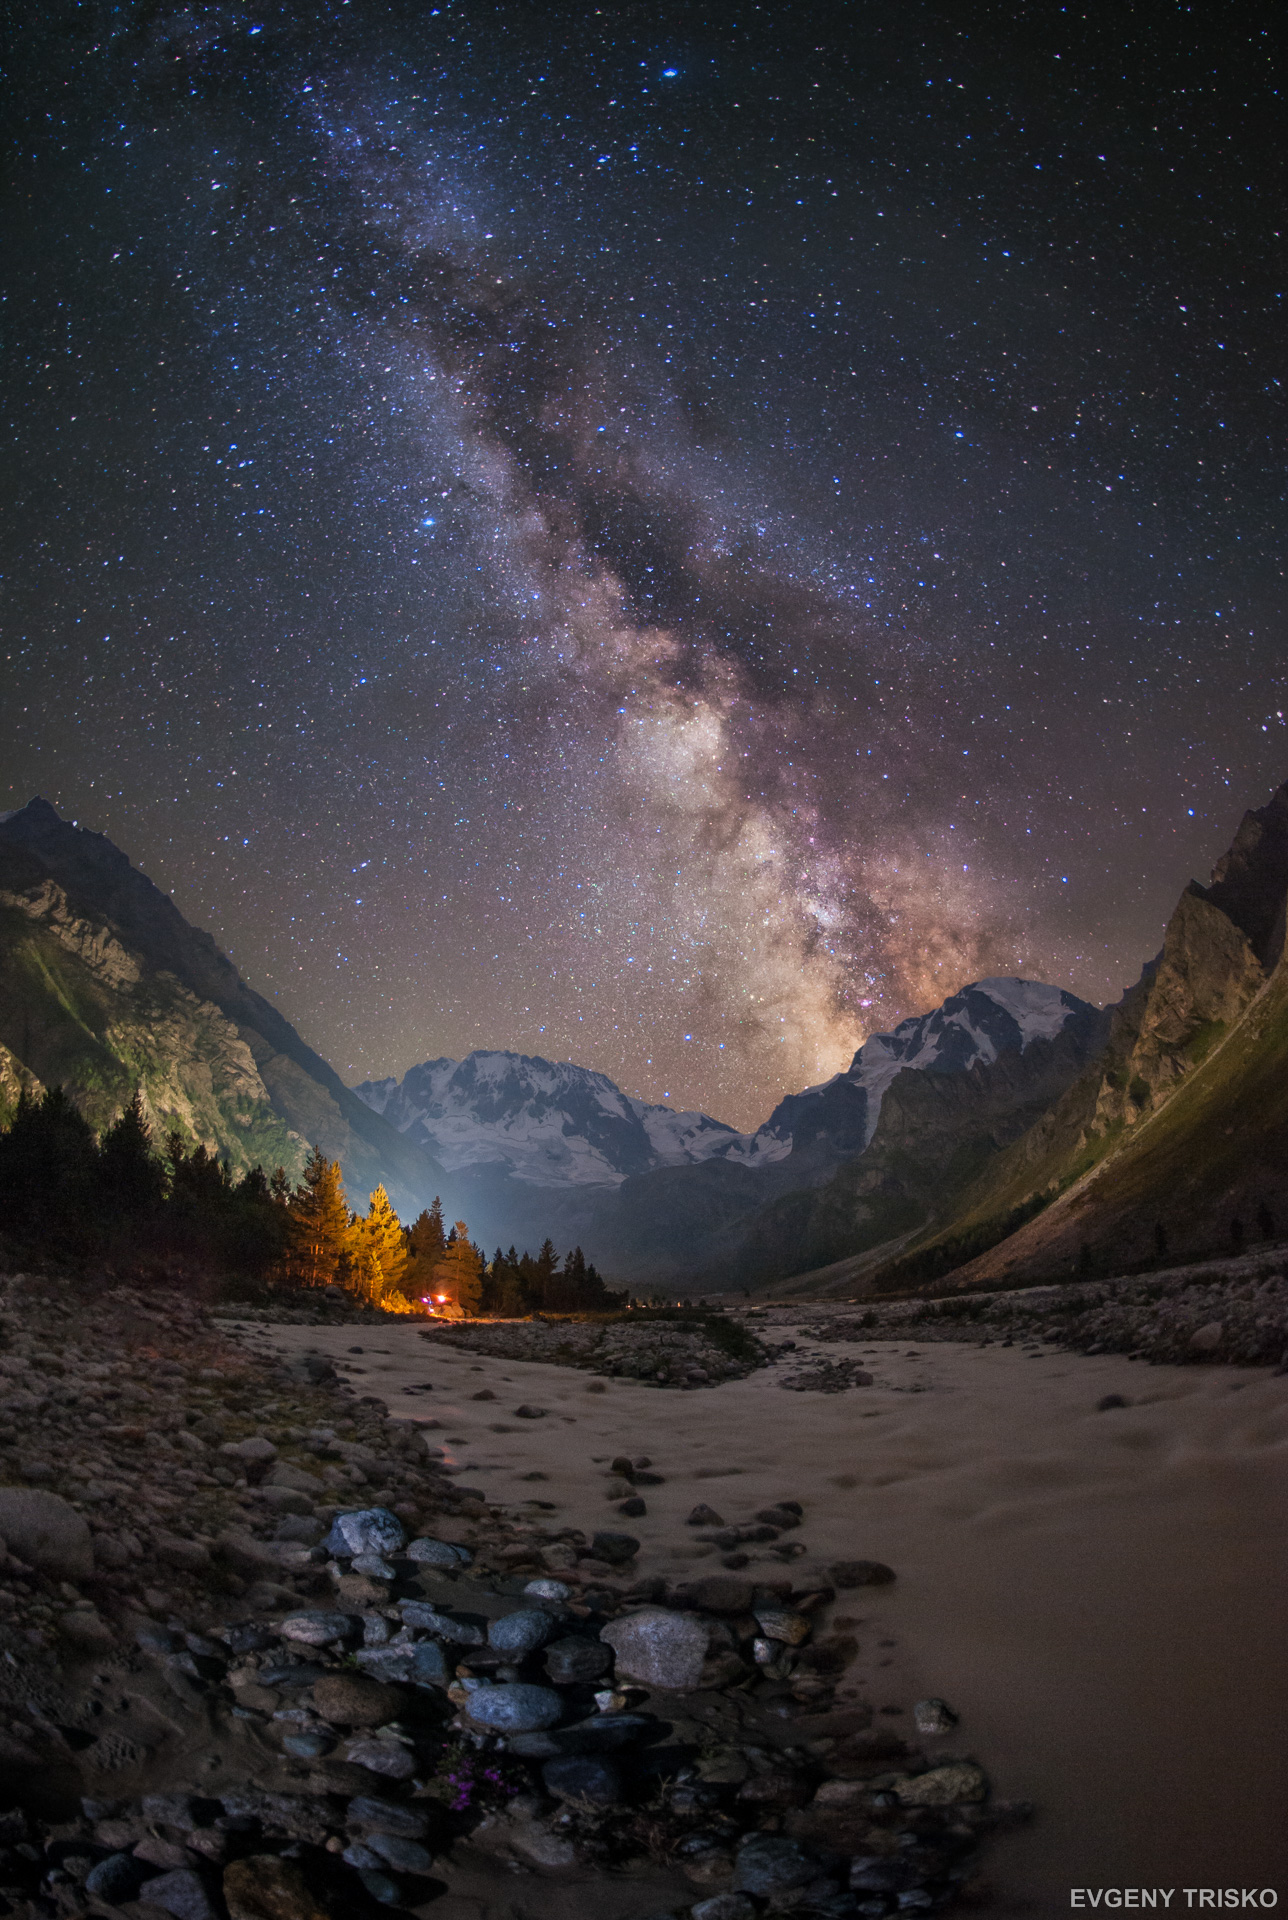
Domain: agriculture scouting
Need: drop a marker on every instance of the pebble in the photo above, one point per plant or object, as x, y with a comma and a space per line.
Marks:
458, 1633
356, 1700
615, 1548
405, 1856
387, 1757
704, 1516
389, 1816
933, 1716
526, 1412
181, 1894
860, 1573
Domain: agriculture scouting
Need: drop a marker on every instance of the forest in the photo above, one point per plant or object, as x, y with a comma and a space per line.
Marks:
71, 1195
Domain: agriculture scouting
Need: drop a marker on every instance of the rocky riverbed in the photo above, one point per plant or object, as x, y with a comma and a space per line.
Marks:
263, 1655
1231, 1311
697, 1350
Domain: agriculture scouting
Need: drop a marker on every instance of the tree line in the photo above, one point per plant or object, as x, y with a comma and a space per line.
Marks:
69, 1193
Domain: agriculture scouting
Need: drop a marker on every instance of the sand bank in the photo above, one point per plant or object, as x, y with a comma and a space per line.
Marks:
1099, 1595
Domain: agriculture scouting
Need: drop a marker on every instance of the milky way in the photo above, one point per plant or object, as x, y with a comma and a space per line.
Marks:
668, 546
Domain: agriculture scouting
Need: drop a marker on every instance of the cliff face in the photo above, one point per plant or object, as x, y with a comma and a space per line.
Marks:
104, 986
1180, 1126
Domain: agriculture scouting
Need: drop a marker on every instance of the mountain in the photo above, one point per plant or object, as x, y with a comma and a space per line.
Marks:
538, 1147
543, 1122
1174, 1142
104, 986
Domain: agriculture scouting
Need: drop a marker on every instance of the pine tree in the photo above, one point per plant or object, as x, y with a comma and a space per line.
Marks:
379, 1250
130, 1175
426, 1244
458, 1275
319, 1237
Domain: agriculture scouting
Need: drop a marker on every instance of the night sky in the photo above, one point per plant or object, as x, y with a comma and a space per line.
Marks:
665, 537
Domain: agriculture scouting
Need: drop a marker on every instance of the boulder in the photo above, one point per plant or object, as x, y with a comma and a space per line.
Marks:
514, 1708
317, 1628
574, 1659
356, 1700
365, 1530
46, 1532
768, 1864
584, 1778
266, 1887
519, 1634
438, 1553
658, 1648
180, 1893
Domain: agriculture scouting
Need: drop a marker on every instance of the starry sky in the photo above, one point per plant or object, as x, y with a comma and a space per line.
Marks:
665, 537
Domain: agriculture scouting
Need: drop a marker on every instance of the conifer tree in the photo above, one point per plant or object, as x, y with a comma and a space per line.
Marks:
131, 1176
426, 1244
319, 1215
379, 1250
458, 1275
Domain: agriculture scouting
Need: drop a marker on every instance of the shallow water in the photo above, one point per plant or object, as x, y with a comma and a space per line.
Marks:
1100, 1596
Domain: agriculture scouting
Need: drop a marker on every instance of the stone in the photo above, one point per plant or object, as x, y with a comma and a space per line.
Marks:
946, 1786
380, 1887
87, 1631
721, 1593
266, 1887
724, 1906
526, 1412
768, 1864
704, 1516
613, 1548
306, 1745
388, 1816
180, 1893
1110, 1402
116, 1879
658, 1648
574, 1659
298, 1478
514, 1707
356, 1700
286, 1500
484, 1393
46, 1533
556, 1590
780, 1623
1203, 1340
255, 1452
365, 1530
584, 1778
860, 1573
438, 1553
387, 1757
404, 1856
373, 1567
933, 1716
519, 1634
429, 1619
632, 1509
317, 1628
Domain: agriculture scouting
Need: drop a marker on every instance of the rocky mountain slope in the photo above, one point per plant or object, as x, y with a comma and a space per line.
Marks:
104, 986
1174, 1140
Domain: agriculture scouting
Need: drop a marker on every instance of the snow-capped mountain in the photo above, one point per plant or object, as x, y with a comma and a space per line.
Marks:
552, 1124
983, 1021
545, 1122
